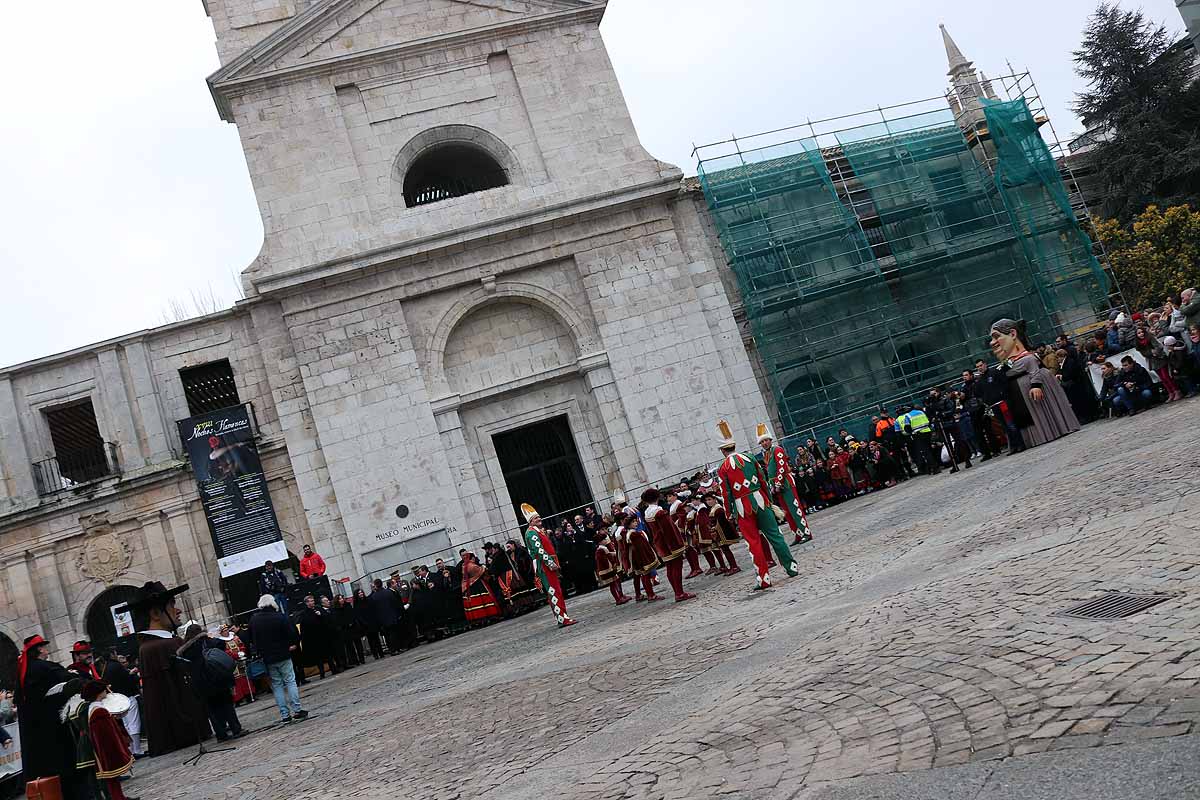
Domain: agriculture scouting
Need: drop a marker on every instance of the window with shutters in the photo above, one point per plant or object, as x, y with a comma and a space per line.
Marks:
209, 387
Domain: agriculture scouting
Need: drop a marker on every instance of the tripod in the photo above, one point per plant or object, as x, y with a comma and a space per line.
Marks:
951, 446
198, 729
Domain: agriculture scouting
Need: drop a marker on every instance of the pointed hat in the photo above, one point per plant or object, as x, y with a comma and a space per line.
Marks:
529, 512
726, 434
763, 433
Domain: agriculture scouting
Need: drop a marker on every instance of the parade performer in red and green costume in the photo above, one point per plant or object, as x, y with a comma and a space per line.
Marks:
744, 487
545, 564
783, 486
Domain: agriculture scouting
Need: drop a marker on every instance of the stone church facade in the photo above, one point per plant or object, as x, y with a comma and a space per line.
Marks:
466, 246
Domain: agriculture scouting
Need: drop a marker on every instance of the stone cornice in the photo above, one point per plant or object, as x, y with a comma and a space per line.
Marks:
454, 402
121, 341
557, 214
240, 73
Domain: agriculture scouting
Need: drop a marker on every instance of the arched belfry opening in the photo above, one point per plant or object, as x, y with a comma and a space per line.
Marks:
451, 169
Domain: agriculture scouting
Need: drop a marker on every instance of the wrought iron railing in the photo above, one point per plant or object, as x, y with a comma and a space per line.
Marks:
72, 470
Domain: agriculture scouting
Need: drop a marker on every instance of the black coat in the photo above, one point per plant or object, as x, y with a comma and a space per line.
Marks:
272, 583
47, 746
203, 683
317, 628
991, 387
364, 617
121, 680
1138, 376
383, 607
273, 635
346, 619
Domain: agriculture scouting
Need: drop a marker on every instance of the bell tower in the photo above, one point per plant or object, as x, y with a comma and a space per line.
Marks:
966, 86
465, 241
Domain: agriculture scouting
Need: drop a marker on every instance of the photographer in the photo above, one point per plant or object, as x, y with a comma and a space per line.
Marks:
211, 670
944, 411
981, 415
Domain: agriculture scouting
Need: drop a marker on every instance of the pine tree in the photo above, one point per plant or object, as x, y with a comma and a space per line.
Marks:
1142, 92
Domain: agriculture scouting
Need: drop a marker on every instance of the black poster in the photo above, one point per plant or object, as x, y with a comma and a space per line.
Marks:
233, 489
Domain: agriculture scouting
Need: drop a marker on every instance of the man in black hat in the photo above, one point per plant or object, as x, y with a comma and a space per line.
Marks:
48, 747
173, 715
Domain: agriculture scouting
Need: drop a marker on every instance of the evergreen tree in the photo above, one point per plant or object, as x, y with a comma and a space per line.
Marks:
1141, 91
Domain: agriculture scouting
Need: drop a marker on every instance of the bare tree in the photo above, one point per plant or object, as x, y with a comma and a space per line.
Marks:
199, 303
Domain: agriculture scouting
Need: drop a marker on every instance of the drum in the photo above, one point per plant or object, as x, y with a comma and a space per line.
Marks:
116, 704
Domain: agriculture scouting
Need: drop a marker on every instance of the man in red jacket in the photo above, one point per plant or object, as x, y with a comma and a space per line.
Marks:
311, 564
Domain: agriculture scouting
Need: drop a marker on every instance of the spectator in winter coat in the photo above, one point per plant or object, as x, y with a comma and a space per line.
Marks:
1136, 390
311, 564
382, 603
317, 635
274, 582
1152, 350
1182, 365
1112, 339
276, 638
1190, 307
1176, 321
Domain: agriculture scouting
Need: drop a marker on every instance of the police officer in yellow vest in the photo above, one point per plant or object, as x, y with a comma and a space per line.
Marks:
917, 427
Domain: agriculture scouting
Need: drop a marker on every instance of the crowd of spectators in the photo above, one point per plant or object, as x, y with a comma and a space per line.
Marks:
969, 420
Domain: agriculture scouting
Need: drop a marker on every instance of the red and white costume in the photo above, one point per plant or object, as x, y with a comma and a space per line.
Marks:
545, 564
744, 489
783, 489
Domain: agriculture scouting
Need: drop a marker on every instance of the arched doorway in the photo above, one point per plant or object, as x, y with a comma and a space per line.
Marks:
99, 623
8, 663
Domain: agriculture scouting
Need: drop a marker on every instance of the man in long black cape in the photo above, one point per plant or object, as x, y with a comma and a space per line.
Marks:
47, 745
172, 714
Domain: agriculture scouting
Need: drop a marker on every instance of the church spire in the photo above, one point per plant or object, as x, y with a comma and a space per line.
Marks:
953, 55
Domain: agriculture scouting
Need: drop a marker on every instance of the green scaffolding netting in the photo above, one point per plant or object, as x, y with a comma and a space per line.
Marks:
872, 269
1029, 184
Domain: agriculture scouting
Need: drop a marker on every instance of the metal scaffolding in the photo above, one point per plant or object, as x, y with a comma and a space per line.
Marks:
873, 251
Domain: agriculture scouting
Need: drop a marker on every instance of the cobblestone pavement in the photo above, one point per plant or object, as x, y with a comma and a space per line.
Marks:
924, 631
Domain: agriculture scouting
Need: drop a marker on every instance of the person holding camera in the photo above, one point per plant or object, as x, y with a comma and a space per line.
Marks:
211, 670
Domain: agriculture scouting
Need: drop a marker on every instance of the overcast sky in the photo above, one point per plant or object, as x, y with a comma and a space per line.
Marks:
121, 189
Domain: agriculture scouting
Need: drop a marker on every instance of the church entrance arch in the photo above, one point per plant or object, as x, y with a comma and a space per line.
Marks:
101, 628
541, 466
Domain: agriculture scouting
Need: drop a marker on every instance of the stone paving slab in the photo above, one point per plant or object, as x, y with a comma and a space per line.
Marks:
923, 634
1163, 770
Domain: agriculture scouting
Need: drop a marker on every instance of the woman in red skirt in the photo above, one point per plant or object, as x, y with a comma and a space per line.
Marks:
479, 604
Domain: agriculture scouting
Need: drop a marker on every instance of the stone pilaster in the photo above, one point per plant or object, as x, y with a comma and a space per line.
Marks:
458, 456
14, 456
116, 410
159, 433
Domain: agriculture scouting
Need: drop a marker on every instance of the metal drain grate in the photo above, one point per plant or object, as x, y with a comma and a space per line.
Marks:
1115, 605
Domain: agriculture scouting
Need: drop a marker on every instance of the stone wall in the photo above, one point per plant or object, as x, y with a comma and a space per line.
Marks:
384, 347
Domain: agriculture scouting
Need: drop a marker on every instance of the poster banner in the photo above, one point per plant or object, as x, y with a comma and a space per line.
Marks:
10, 757
233, 490
122, 620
